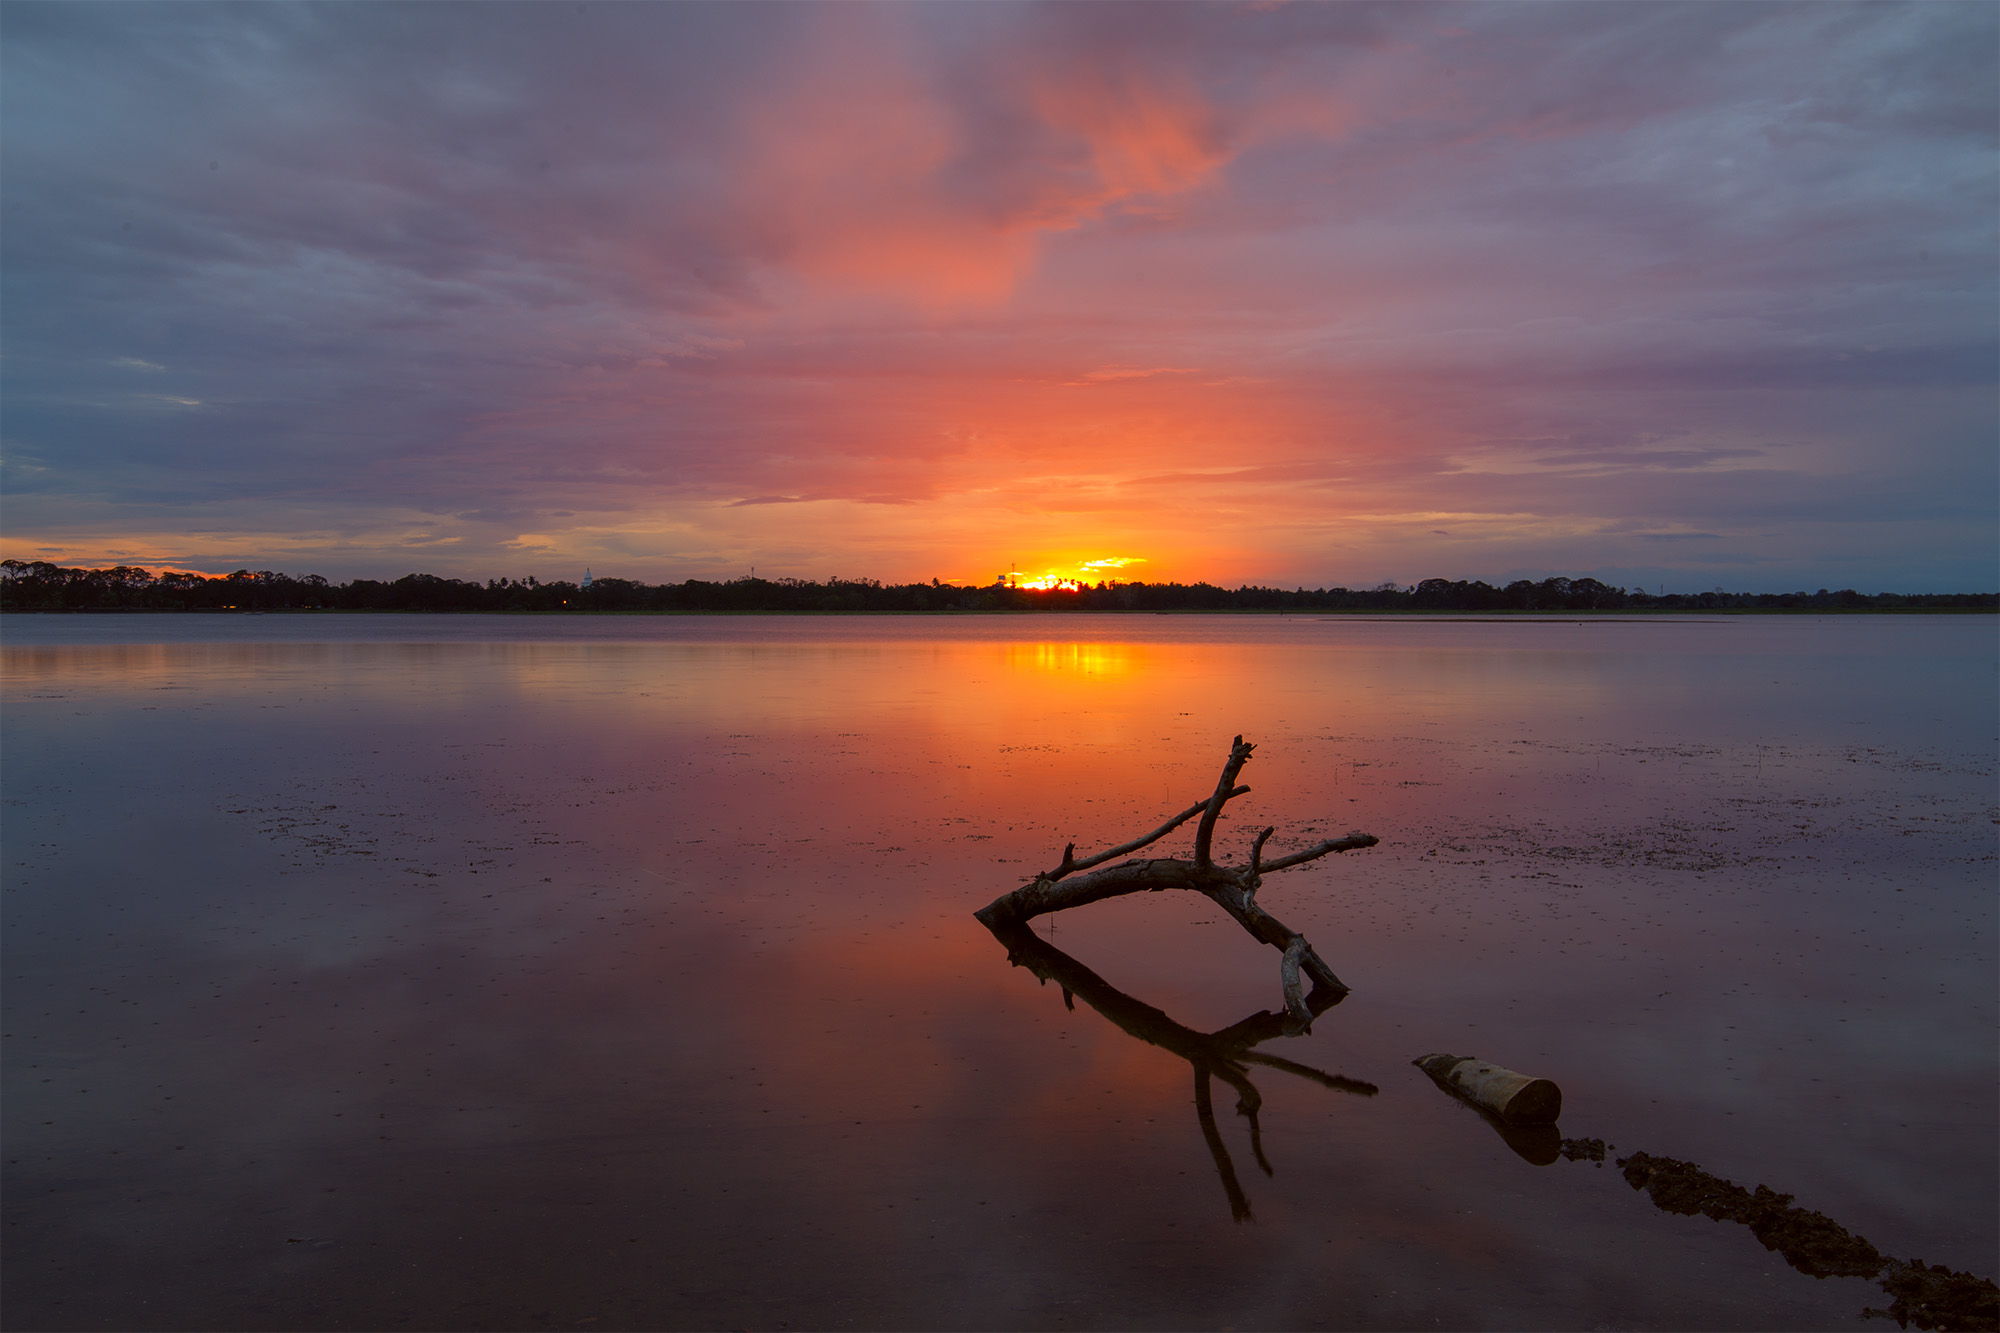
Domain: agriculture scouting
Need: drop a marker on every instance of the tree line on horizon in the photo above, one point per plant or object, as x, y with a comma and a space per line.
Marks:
42, 586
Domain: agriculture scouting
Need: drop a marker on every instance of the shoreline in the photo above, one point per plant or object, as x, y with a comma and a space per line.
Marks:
1363, 613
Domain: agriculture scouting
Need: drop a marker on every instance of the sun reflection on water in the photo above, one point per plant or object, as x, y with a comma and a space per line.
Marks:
1090, 659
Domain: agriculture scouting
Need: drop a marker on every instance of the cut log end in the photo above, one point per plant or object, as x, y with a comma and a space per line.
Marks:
1520, 1099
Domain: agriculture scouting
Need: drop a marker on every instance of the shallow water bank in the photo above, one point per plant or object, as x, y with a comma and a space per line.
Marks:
428, 973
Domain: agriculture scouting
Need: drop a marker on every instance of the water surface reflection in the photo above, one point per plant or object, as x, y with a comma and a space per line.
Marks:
1226, 1054
478, 981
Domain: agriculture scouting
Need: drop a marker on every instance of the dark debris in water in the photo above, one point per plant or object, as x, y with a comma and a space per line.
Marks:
1814, 1244
1811, 1242
1937, 1297
1583, 1150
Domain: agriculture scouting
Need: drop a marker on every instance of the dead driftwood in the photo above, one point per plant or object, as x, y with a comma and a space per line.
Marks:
1075, 883
1520, 1098
1521, 1109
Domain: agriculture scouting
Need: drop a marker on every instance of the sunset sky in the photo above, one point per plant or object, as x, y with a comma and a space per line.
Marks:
1684, 295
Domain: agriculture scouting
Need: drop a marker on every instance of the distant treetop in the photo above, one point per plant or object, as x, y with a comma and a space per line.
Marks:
41, 586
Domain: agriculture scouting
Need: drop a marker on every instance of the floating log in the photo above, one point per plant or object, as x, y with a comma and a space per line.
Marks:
1519, 1099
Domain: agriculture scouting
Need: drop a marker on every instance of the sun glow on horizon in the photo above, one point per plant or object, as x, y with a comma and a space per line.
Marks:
1083, 574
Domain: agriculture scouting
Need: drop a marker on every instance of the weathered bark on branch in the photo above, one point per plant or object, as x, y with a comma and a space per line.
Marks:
1234, 889
1070, 865
1239, 755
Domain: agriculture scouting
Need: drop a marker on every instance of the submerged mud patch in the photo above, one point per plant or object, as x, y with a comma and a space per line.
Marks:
1814, 1244
1936, 1297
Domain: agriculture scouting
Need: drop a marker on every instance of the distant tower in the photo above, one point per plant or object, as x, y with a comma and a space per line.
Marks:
586, 578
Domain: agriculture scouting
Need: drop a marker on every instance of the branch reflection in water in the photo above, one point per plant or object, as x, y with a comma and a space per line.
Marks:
1226, 1054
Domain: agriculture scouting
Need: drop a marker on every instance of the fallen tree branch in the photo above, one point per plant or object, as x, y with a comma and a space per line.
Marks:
1349, 843
1234, 889
1070, 865
1204, 834
1288, 975
1257, 853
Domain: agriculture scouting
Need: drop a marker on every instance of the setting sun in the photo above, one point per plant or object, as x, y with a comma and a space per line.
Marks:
1081, 574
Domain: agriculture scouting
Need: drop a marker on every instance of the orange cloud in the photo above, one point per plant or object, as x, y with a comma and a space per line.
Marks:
861, 170
1146, 135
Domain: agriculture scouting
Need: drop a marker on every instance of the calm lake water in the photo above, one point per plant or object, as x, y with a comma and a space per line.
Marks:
469, 972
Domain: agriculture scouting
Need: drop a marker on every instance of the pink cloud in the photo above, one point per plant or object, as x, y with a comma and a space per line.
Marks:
656, 277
